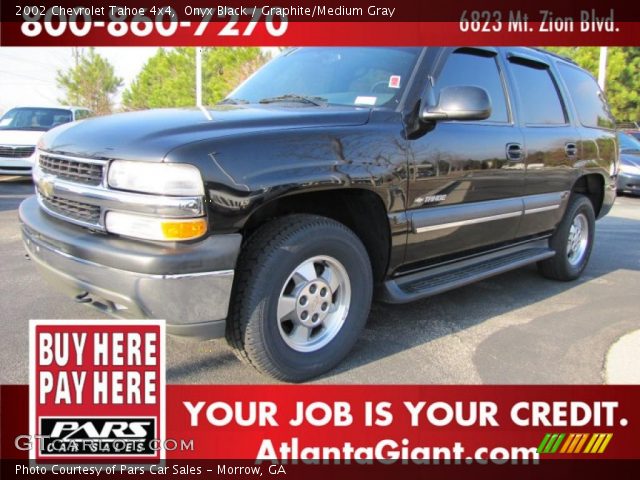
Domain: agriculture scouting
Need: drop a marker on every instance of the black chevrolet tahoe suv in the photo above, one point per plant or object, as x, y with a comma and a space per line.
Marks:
330, 177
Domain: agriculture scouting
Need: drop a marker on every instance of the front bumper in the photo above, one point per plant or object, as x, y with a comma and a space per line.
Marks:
628, 183
16, 166
189, 286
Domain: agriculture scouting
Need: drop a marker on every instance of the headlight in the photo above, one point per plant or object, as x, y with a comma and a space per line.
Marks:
630, 169
153, 228
158, 178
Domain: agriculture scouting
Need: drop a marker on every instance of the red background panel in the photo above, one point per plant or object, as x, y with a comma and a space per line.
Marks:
333, 33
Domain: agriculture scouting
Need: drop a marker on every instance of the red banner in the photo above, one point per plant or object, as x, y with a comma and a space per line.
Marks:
393, 424
329, 33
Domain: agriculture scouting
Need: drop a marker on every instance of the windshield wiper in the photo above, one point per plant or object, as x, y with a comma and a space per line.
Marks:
295, 98
233, 101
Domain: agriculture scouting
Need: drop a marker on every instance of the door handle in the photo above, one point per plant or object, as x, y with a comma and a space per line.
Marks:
571, 149
514, 152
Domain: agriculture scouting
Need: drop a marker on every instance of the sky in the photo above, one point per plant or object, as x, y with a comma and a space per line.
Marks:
28, 74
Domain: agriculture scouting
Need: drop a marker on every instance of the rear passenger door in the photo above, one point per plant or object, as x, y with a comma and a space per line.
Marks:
551, 141
465, 178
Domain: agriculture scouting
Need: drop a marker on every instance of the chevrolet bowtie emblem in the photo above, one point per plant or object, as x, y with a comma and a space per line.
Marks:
47, 186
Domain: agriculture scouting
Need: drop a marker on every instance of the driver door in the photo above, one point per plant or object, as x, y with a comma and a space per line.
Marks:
466, 177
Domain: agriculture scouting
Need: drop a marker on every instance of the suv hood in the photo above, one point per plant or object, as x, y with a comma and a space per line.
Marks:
152, 134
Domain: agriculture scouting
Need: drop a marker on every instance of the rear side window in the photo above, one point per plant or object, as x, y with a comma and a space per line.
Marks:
469, 68
589, 100
539, 96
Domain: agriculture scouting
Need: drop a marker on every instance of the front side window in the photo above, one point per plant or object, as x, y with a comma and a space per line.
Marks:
468, 68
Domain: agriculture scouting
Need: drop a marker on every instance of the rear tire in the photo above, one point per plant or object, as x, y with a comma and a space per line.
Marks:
302, 296
572, 241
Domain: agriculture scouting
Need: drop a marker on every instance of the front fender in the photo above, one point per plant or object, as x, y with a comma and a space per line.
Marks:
241, 173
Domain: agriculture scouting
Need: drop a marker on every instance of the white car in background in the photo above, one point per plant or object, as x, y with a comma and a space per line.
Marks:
22, 127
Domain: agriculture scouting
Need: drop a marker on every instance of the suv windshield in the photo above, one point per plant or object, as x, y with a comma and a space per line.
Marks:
371, 77
34, 118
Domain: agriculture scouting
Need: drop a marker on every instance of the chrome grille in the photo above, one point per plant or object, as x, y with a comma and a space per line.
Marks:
16, 151
83, 212
74, 189
72, 170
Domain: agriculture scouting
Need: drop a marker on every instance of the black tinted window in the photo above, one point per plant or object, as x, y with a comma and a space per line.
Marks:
589, 100
539, 97
464, 68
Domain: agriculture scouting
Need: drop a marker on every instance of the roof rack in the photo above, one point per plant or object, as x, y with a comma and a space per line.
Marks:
628, 125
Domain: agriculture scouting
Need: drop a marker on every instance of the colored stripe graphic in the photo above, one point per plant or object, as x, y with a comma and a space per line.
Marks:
550, 443
603, 447
596, 445
555, 447
592, 440
543, 443
572, 443
569, 441
581, 443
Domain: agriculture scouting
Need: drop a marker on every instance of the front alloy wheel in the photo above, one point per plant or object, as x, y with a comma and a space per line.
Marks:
302, 295
314, 303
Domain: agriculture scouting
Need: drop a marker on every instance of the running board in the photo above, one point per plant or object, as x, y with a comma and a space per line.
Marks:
437, 280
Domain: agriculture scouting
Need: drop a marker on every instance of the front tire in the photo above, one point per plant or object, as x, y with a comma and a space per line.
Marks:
572, 241
302, 296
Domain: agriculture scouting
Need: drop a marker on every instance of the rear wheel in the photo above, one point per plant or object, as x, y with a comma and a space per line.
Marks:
302, 296
572, 241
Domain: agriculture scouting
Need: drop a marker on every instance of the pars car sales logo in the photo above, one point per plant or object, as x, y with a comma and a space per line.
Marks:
97, 389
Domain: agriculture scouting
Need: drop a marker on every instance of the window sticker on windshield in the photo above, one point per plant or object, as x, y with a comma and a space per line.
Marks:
394, 81
365, 101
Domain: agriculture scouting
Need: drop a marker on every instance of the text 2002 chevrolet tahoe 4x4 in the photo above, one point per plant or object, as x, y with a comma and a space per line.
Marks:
328, 175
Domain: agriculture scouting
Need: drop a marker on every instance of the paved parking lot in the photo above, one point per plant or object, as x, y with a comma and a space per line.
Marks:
515, 328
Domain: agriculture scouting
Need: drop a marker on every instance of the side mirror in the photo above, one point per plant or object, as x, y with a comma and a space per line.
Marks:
459, 103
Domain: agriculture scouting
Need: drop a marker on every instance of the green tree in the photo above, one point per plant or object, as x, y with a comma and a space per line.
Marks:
91, 83
622, 81
168, 78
